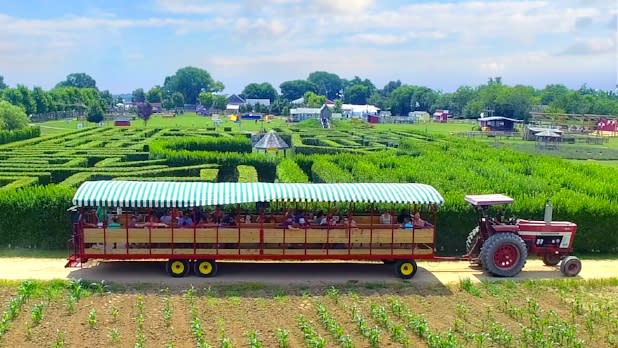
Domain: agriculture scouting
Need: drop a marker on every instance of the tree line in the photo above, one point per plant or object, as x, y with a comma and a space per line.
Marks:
191, 85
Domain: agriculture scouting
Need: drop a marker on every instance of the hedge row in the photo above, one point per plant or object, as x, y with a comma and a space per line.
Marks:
288, 171
326, 171
35, 217
247, 174
19, 134
17, 182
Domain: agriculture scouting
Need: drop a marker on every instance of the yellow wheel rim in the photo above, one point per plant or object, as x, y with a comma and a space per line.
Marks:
205, 267
178, 267
406, 268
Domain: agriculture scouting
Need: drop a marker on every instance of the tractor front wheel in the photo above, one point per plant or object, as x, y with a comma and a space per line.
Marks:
177, 268
504, 254
406, 269
551, 259
570, 266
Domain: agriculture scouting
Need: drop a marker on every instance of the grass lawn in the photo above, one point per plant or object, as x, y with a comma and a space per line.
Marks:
35, 253
186, 121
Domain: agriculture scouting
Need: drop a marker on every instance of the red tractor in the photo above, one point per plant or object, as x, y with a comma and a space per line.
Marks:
502, 247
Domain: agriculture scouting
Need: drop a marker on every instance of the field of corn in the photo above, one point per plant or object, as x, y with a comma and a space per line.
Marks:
558, 313
38, 176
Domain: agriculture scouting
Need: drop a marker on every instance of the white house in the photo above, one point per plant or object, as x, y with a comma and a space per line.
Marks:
299, 114
359, 111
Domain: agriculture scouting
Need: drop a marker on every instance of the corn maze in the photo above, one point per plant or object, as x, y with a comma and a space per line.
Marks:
503, 314
348, 153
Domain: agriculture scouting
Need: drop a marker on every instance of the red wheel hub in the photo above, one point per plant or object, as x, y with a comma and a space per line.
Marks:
572, 267
506, 256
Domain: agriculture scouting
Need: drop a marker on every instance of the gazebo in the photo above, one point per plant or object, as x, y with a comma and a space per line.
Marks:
547, 139
271, 141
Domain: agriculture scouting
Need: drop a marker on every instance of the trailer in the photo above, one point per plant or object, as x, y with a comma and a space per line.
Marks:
192, 225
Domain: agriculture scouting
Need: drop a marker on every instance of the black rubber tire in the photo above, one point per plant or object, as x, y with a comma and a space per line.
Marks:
570, 266
504, 240
472, 238
470, 241
551, 259
406, 269
177, 268
205, 268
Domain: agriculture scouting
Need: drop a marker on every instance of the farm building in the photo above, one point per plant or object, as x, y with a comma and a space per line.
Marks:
498, 124
299, 114
232, 108
531, 133
254, 102
235, 100
122, 122
607, 127
418, 116
359, 111
440, 116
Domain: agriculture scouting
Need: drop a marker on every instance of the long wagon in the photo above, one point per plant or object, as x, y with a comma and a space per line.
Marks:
137, 233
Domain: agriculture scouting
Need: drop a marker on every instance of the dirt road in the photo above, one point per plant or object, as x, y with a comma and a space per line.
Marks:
314, 274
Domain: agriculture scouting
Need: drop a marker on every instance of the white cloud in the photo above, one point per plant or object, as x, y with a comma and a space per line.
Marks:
196, 7
586, 47
260, 28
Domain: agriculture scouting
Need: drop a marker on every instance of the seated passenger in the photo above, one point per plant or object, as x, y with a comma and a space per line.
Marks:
114, 223
386, 218
166, 218
229, 220
420, 223
133, 221
349, 222
217, 216
289, 222
407, 223
185, 220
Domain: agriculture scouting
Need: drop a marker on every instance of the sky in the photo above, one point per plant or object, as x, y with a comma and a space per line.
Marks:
126, 45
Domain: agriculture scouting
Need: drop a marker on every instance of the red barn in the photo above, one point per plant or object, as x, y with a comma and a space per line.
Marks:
122, 122
606, 125
440, 116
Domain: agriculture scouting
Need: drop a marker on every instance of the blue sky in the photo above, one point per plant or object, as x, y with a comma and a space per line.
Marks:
441, 44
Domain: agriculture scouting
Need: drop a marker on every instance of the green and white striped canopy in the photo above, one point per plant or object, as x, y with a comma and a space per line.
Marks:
199, 194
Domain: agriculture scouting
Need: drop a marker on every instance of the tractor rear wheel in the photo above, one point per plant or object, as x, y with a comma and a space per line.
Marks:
551, 259
504, 254
473, 236
570, 266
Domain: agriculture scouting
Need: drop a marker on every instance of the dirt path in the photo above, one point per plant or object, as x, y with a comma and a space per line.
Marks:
281, 273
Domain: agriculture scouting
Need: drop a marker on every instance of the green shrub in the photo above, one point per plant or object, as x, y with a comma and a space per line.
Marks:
19, 134
247, 174
289, 171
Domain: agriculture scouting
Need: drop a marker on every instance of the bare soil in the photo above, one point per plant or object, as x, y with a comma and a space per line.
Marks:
277, 273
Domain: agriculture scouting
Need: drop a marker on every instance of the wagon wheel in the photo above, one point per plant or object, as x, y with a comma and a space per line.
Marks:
570, 266
551, 259
406, 269
177, 268
205, 268
504, 254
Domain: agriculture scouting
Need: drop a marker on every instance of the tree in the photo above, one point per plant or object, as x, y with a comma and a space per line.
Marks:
328, 84
313, 100
78, 80
42, 100
424, 97
154, 95
399, 100
390, 87
206, 99
167, 103
144, 111
107, 100
2, 84
138, 96
219, 102
178, 99
20, 96
12, 117
337, 107
292, 90
260, 91
190, 81
95, 114
357, 94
